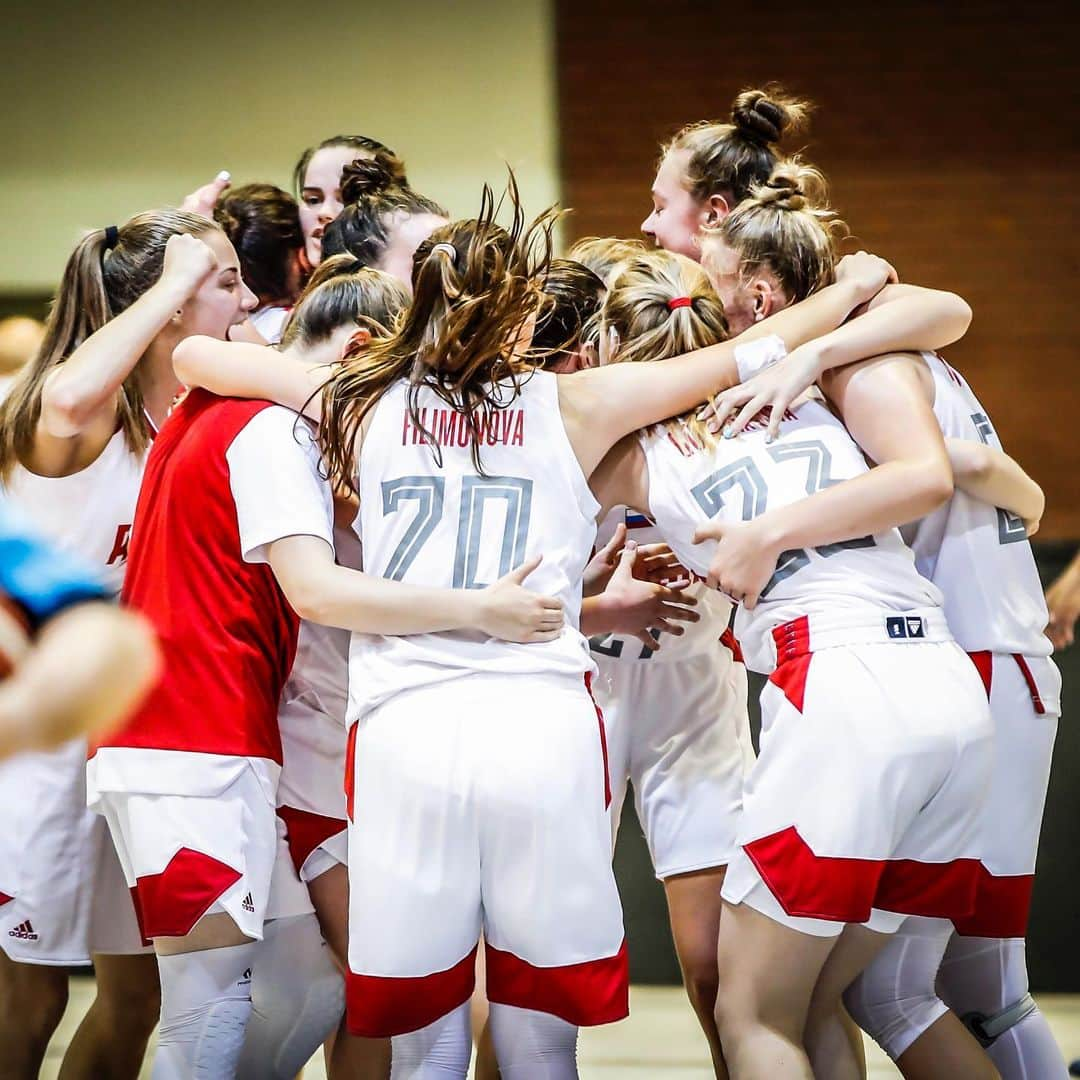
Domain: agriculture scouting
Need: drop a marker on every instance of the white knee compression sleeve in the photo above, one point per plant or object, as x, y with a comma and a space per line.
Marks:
297, 997
984, 981
894, 1000
437, 1052
533, 1045
205, 1004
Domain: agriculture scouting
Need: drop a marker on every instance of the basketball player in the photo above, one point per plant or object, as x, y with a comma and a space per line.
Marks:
774, 248
832, 583
383, 220
317, 182
74, 431
263, 223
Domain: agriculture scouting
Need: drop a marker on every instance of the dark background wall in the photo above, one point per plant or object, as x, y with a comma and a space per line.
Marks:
948, 132
949, 135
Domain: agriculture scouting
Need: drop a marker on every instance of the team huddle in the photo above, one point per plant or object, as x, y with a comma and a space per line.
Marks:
443, 541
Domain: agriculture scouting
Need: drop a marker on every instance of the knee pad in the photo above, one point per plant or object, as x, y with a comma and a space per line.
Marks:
206, 1004
204, 1045
988, 1029
983, 975
298, 998
894, 1000
441, 1050
533, 1045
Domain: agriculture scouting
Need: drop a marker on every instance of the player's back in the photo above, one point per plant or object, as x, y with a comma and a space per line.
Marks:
739, 479
226, 630
977, 554
449, 524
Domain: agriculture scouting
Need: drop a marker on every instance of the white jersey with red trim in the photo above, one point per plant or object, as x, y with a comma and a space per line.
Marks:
741, 478
449, 525
90, 512
977, 554
700, 638
319, 680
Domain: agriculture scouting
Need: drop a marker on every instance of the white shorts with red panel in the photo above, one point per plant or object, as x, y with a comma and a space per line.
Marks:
311, 789
679, 732
186, 856
1025, 703
875, 760
481, 805
62, 893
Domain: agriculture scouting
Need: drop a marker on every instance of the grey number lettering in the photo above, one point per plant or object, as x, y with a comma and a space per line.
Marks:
427, 493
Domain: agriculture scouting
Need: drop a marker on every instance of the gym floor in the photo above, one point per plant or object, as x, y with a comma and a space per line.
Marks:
659, 1040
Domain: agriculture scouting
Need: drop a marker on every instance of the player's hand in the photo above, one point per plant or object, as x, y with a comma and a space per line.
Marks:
203, 199
188, 263
510, 612
635, 606
659, 564
867, 274
1063, 601
602, 565
774, 388
743, 562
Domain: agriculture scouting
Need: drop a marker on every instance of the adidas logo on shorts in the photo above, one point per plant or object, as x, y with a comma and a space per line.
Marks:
905, 626
248, 904
24, 932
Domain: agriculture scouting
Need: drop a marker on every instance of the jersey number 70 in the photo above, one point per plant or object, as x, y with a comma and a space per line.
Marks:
477, 493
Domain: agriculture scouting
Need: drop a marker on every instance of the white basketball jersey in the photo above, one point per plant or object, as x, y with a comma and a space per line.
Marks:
319, 680
741, 478
699, 638
977, 554
449, 525
89, 513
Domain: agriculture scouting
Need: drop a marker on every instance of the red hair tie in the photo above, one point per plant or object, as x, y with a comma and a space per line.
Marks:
678, 302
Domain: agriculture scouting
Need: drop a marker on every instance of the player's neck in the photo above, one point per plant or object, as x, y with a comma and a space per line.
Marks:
159, 383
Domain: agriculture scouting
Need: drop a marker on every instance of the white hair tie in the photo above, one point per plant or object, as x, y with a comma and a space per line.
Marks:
448, 248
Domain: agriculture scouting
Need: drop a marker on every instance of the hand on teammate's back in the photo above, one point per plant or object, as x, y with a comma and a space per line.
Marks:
1063, 601
743, 562
634, 605
511, 612
775, 388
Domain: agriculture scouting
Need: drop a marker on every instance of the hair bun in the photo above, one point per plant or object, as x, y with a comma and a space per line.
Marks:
371, 176
792, 186
766, 116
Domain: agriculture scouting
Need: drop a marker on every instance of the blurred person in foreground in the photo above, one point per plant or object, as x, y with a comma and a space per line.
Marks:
71, 663
20, 338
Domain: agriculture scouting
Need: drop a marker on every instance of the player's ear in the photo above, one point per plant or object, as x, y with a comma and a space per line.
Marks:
764, 298
716, 209
361, 337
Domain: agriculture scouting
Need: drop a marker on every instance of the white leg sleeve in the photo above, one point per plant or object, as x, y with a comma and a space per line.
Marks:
205, 1004
440, 1051
297, 997
533, 1045
984, 981
894, 1000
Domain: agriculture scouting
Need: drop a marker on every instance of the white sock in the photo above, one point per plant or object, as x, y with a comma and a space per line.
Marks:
986, 976
297, 999
533, 1045
436, 1052
205, 1004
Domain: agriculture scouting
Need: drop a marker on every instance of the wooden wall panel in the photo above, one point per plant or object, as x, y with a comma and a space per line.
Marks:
949, 134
